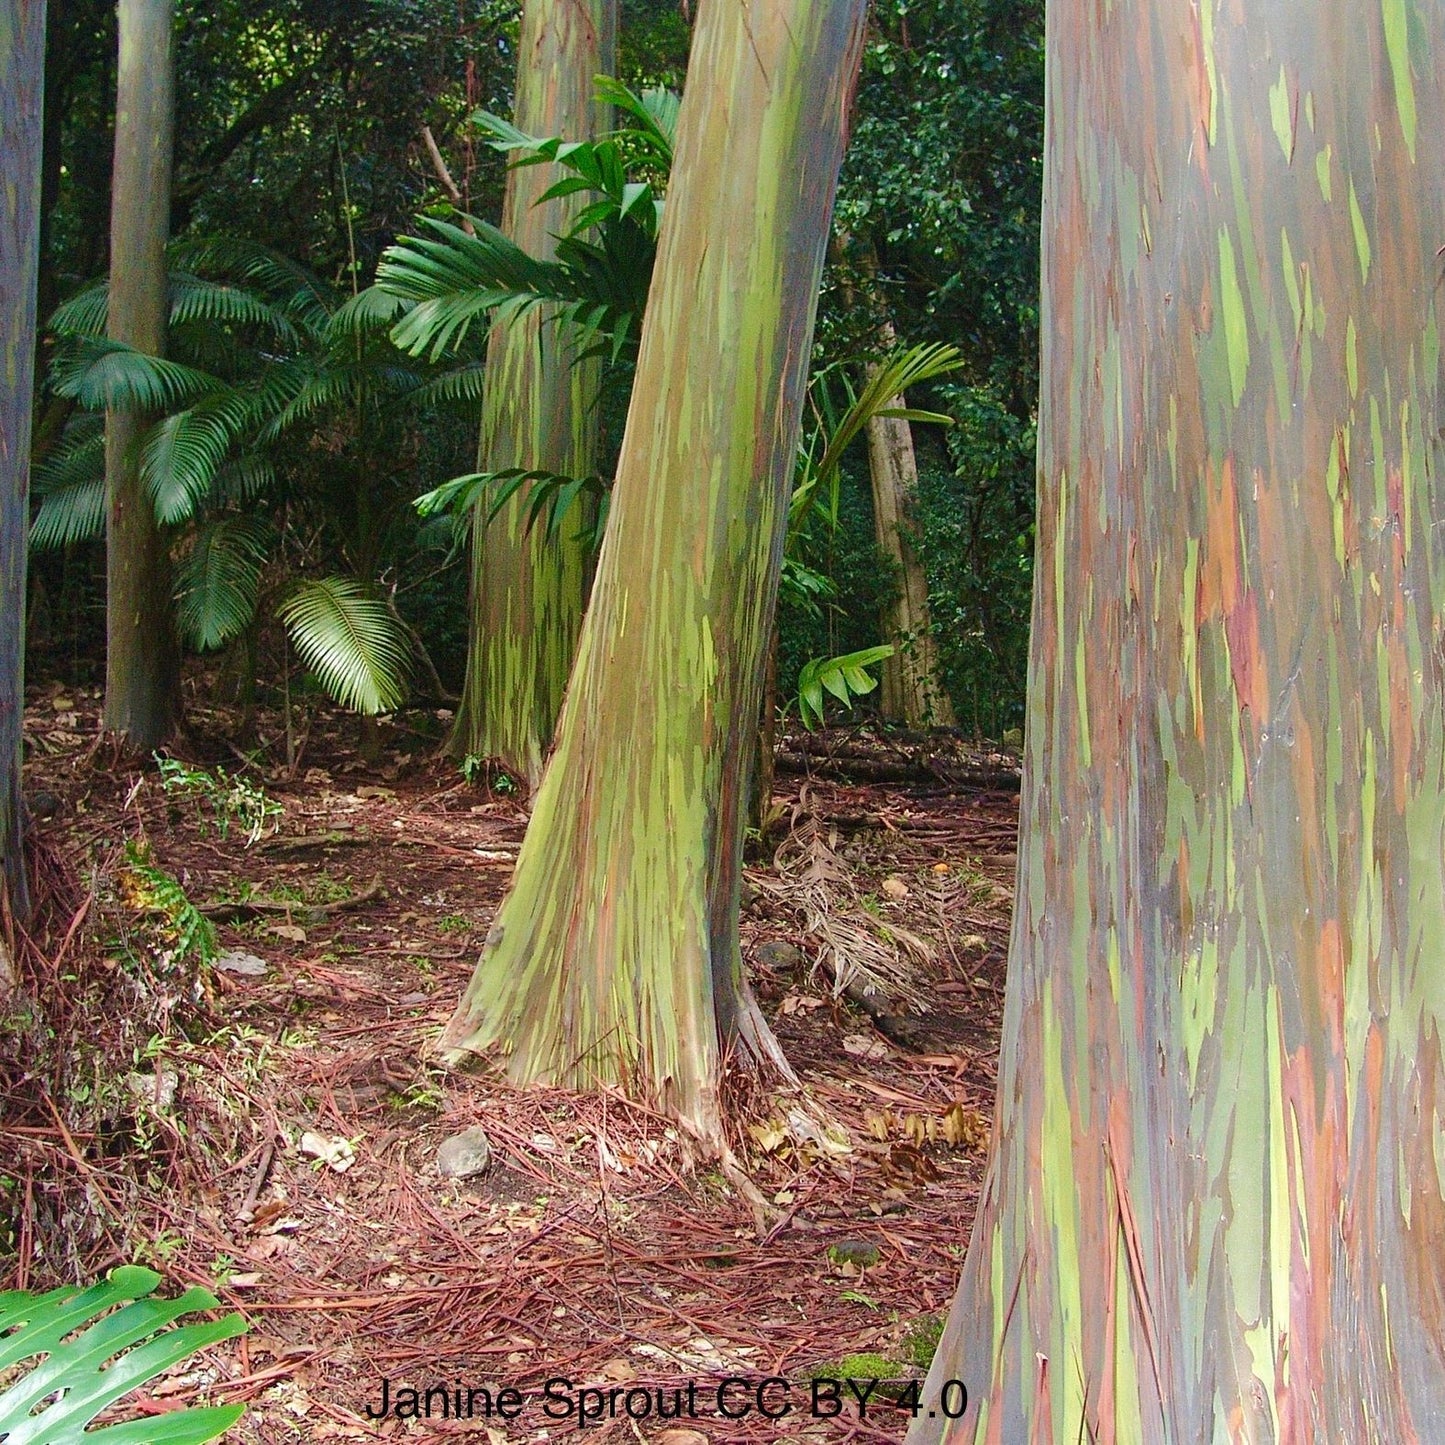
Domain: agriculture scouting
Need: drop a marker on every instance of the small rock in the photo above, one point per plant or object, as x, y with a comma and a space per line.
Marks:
860, 1253
895, 888
42, 803
779, 956
464, 1154
157, 1089
235, 961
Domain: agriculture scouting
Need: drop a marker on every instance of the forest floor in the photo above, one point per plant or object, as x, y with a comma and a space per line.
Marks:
272, 1133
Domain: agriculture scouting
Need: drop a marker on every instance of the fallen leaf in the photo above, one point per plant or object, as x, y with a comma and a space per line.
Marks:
337, 1153
682, 1437
894, 887
862, 1046
619, 1370
288, 931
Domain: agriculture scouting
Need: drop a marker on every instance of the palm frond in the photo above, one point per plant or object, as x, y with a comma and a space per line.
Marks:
243, 479
84, 314
370, 310
285, 283
182, 453
102, 374
351, 641
820, 459
463, 386
193, 299
455, 279
653, 134
217, 582
70, 486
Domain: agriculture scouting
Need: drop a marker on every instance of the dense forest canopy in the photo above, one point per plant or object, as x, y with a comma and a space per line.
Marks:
307, 129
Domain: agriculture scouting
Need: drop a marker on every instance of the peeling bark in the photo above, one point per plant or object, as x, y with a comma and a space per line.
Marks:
539, 413
1215, 1208
615, 957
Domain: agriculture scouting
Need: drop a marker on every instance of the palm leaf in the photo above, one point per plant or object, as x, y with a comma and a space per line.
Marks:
182, 454
84, 314
462, 386
285, 283
370, 310
217, 582
351, 641
193, 299
96, 1346
70, 486
102, 374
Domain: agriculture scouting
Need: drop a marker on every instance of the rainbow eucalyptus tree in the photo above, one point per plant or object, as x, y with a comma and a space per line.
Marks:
22, 70
142, 659
528, 589
1216, 1205
615, 956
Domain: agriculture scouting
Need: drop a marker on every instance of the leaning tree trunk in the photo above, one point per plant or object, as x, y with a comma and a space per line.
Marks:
911, 692
615, 957
142, 660
540, 413
1216, 1205
22, 70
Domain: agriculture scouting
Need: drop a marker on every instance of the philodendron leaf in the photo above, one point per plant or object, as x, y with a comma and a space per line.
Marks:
95, 1346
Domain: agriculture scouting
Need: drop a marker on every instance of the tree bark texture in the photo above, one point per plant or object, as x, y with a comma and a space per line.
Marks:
911, 692
615, 957
142, 658
22, 72
539, 413
1215, 1209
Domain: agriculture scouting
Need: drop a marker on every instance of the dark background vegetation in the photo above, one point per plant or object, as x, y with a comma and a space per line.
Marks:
299, 129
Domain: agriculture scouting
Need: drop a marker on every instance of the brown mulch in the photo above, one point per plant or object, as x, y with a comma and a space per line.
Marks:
589, 1250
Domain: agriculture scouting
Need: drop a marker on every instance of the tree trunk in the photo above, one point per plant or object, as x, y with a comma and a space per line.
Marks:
1215, 1206
615, 957
22, 70
142, 661
539, 413
911, 692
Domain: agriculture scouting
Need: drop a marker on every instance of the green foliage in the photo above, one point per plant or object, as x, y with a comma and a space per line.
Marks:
93, 1347
217, 581
920, 1344
230, 799
550, 497
977, 506
846, 677
148, 891
349, 638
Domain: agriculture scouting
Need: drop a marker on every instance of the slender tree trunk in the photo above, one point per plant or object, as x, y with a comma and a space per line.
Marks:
615, 957
911, 692
1216, 1205
22, 70
539, 413
142, 660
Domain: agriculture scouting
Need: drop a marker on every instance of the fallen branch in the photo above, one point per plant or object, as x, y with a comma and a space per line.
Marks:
307, 912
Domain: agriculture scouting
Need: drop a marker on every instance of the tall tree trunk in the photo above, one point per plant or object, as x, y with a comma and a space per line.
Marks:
615, 957
142, 661
1215, 1209
539, 413
22, 70
911, 692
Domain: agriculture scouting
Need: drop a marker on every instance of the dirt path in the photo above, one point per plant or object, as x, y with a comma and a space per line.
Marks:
588, 1250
